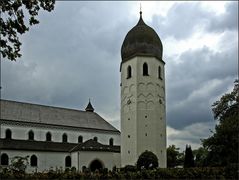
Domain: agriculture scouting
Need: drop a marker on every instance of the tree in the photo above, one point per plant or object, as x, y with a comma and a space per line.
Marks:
13, 22
147, 160
200, 155
174, 157
189, 158
223, 145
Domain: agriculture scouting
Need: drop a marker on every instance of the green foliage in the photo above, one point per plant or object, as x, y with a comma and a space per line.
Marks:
13, 22
229, 172
5, 173
189, 158
19, 164
174, 157
191, 173
222, 108
129, 168
223, 145
16, 169
147, 160
200, 155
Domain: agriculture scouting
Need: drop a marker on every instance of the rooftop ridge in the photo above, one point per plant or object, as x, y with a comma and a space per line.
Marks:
46, 114
42, 105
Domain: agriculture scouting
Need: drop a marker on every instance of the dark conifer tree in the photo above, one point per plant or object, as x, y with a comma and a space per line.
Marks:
189, 158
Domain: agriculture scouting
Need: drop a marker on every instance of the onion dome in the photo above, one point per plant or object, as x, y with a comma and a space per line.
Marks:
89, 107
141, 40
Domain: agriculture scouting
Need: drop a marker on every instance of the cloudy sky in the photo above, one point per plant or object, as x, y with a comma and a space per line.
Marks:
74, 55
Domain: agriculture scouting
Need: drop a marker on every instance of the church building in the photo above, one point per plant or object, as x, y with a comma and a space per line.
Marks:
56, 137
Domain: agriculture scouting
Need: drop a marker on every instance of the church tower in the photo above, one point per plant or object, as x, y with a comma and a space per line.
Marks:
143, 122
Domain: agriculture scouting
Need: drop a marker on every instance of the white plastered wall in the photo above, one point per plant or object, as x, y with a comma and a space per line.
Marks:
21, 132
56, 160
45, 160
143, 121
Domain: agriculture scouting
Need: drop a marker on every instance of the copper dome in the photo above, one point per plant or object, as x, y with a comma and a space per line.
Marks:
141, 40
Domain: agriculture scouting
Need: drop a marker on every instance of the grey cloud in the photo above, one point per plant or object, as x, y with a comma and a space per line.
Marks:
201, 76
192, 134
184, 19
227, 21
72, 55
180, 20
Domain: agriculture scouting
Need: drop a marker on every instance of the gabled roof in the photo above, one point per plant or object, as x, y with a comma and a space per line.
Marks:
49, 146
48, 115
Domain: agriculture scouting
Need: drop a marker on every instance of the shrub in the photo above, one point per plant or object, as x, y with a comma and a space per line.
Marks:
114, 169
129, 168
83, 168
19, 164
158, 173
147, 160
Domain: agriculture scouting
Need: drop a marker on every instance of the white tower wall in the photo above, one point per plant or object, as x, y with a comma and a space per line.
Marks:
143, 124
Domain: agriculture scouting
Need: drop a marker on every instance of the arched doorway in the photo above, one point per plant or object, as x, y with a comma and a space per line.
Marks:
96, 164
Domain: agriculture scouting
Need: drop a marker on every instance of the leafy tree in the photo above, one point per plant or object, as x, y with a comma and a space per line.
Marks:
200, 155
16, 18
223, 145
189, 158
147, 160
174, 157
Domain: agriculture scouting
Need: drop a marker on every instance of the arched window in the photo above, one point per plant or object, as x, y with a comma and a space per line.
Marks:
159, 73
145, 69
8, 134
48, 136
33, 160
80, 139
129, 72
95, 139
4, 159
31, 135
64, 138
111, 141
68, 161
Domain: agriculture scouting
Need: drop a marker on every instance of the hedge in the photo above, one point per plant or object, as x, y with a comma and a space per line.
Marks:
159, 173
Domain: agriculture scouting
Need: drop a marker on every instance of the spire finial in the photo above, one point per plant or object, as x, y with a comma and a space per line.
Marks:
140, 12
89, 107
141, 21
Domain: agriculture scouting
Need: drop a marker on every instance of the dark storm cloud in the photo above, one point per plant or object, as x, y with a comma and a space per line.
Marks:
198, 79
72, 55
192, 134
180, 20
184, 19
